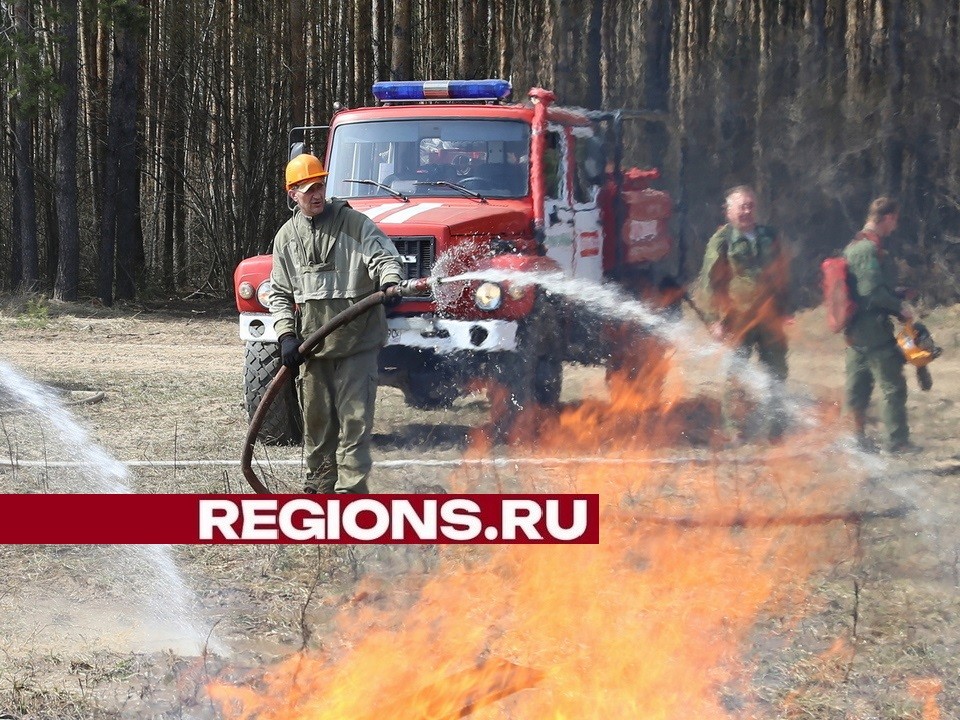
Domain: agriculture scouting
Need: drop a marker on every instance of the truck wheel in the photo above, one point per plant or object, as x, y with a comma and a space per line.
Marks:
637, 357
283, 424
548, 381
541, 346
509, 392
428, 391
534, 373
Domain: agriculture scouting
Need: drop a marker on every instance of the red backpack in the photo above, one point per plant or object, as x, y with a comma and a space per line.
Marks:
836, 293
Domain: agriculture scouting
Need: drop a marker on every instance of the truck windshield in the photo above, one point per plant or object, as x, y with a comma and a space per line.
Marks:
489, 157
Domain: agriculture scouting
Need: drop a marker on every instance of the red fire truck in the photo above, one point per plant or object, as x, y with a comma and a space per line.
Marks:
462, 180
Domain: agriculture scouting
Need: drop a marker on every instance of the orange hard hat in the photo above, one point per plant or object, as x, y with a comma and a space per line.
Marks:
304, 168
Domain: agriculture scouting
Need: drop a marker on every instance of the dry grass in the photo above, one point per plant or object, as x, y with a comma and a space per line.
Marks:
884, 618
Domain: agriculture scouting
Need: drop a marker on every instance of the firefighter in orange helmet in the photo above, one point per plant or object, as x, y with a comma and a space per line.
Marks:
327, 257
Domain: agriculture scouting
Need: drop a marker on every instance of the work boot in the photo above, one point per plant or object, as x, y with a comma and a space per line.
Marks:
860, 423
776, 431
327, 486
322, 481
319, 487
359, 489
903, 448
866, 444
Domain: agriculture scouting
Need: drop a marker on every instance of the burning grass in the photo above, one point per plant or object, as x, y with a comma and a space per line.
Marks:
655, 622
647, 624
852, 621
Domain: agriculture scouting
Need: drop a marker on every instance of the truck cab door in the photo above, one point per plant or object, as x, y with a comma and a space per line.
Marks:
584, 193
573, 233
557, 209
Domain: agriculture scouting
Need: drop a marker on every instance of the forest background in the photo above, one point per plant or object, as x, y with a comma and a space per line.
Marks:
144, 140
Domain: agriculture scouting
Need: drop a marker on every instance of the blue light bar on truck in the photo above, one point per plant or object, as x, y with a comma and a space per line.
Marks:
412, 90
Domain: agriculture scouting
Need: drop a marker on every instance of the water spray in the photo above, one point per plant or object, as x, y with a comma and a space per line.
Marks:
157, 581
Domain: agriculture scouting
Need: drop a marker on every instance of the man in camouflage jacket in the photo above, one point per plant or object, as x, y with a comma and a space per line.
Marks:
327, 257
872, 354
744, 283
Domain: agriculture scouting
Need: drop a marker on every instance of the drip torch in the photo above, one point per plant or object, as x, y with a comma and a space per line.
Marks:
919, 350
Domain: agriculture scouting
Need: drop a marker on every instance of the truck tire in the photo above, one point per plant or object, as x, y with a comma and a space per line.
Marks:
637, 356
428, 391
532, 374
540, 343
548, 381
283, 424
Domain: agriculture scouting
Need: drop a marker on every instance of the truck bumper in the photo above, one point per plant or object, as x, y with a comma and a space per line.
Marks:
257, 327
445, 337
441, 336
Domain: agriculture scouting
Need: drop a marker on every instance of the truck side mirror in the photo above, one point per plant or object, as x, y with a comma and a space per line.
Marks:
296, 149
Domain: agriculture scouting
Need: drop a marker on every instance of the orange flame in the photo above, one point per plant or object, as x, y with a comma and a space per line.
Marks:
651, 623
926, 691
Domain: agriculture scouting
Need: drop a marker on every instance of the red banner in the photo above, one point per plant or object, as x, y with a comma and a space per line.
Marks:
44, 519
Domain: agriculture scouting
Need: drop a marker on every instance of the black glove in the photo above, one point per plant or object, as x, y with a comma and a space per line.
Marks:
390, 301
290, 356
906, 313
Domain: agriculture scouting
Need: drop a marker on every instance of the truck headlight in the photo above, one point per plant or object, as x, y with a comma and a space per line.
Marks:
262, 292
488, 296
517, 292
245, 290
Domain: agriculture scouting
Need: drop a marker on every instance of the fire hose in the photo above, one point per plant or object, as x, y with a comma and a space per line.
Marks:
414, 286
696, 309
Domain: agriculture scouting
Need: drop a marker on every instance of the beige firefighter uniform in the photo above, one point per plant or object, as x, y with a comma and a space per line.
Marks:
322, 266
744, 282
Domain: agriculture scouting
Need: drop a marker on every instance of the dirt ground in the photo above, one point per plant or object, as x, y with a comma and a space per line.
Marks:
91, 632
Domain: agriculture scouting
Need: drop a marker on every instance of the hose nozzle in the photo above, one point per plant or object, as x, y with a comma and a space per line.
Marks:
414, 287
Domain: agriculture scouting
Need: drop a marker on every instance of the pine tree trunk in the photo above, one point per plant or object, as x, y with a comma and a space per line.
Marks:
126, 83
378, 51
298, 64
593, 69
363, 39
656, 84
465, 48
68, 268
503, 39
401, 64
23, 155
893, 105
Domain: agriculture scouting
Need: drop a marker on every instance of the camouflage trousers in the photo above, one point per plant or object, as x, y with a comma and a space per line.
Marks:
882, 366
338, 396
739, 413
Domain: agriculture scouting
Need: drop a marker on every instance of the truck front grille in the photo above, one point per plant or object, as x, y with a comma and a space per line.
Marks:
417, 254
